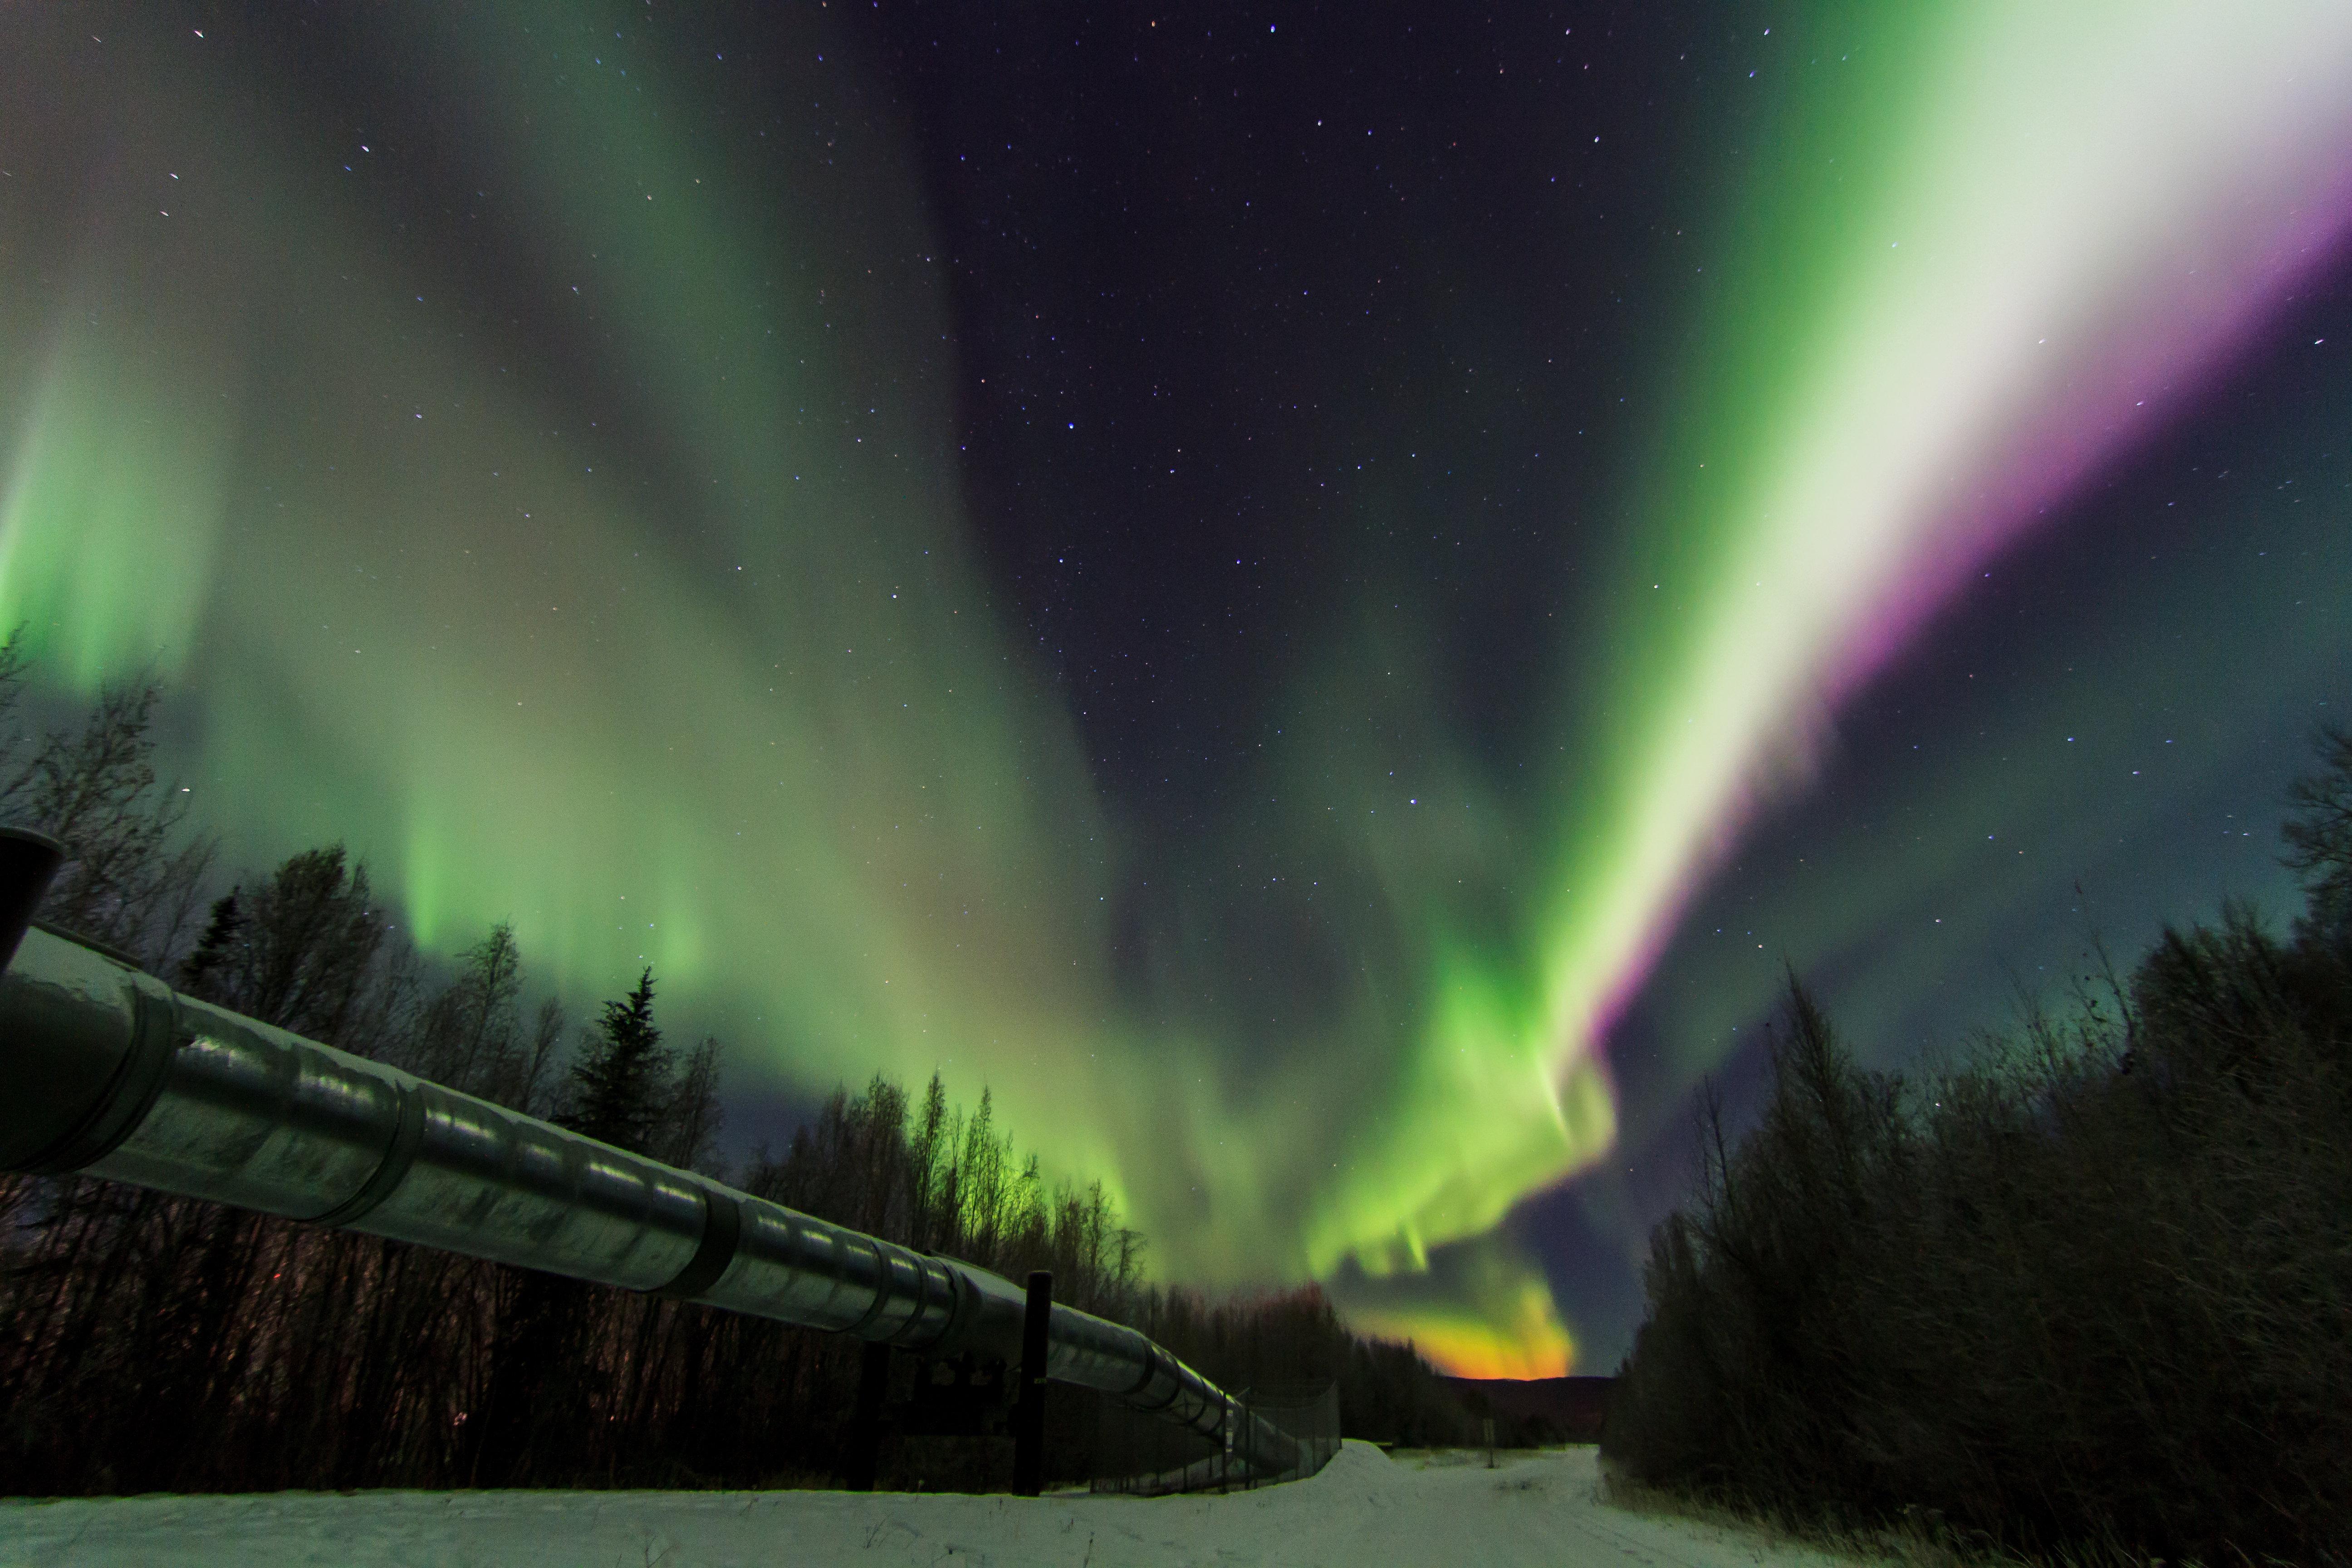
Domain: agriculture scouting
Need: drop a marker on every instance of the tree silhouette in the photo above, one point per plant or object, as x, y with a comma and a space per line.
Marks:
2319, 836
621, 1084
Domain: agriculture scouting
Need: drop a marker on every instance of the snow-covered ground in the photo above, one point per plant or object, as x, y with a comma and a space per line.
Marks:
1364, 1510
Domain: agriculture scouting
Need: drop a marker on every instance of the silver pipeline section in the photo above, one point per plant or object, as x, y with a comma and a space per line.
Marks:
109, 1072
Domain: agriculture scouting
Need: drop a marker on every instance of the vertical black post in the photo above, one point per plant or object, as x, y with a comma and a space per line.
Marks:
1225, 1452
865, 1420
1029, 1412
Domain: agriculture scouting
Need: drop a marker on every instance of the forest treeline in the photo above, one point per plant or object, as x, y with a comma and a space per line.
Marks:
2087, 1295
152, 1343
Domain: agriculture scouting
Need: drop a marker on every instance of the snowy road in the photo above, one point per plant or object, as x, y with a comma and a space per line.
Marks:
1365, 1511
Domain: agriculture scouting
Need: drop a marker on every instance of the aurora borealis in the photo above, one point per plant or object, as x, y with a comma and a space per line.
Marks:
1320, 599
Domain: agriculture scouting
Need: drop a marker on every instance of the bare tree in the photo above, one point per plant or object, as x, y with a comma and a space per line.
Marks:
2318, 836
132, 877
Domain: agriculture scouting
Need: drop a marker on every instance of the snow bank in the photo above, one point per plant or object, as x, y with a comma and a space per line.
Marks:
1365, 1511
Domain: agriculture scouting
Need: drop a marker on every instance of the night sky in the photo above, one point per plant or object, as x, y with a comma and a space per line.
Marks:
1325, 597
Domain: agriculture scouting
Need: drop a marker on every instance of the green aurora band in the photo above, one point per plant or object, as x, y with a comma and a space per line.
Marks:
677, 651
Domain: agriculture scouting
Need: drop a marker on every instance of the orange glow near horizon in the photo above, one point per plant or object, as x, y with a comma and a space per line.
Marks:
1477, 1352
1533, 1344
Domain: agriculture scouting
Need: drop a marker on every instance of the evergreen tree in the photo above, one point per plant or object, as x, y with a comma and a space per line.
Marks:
621, 1085
214, 948
536, 1414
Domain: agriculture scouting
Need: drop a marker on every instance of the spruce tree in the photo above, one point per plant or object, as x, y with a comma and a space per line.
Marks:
621, 1084
213, 949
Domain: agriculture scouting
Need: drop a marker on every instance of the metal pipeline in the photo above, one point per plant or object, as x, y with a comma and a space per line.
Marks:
109, 1072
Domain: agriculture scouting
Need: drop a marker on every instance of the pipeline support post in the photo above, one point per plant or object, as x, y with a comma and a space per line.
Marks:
865, 1420
1029, 1412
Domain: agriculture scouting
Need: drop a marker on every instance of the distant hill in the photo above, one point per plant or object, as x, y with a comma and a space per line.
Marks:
1539, 1409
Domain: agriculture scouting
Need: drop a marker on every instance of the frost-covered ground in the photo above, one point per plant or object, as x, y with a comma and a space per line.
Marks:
1364, 1510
